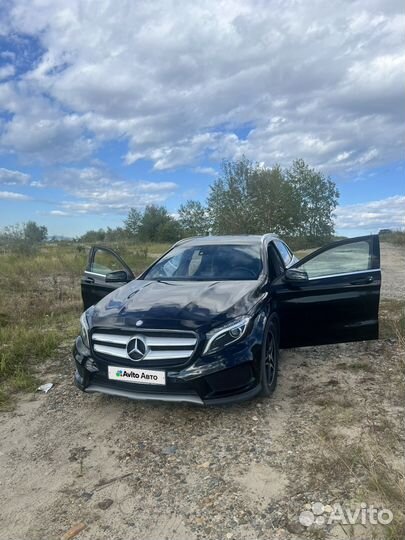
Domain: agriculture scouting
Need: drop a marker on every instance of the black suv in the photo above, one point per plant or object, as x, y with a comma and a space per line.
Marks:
205, 322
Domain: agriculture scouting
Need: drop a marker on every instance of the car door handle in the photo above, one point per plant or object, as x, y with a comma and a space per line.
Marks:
362, 281
89, 280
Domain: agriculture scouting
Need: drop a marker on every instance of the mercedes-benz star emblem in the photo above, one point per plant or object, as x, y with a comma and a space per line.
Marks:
137, 348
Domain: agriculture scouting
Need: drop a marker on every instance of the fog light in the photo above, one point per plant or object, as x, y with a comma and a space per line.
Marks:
79, 358
90, 365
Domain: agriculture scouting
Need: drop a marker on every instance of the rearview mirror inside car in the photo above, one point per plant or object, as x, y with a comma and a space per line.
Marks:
295, 275
119, 276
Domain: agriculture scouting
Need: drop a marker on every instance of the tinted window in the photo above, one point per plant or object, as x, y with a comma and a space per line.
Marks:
285, 253
344, 259
209, 262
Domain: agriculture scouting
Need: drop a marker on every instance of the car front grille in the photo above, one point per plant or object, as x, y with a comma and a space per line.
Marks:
164, 347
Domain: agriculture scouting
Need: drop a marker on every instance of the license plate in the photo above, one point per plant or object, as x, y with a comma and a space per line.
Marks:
135, 375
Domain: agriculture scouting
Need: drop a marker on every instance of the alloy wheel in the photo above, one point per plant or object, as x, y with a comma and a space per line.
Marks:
270, 361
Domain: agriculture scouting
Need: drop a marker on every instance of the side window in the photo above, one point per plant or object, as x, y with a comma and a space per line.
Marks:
105, 262
344, 259
285, 253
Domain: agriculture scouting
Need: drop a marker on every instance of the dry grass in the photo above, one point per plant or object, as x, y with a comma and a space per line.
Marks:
396, 237
359, 433
392, 319
356, 366
40, 306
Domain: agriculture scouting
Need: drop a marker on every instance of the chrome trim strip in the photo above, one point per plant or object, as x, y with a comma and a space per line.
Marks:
111, 338
111, 351
151, 355
150, 341
345, 274
178, 398
94, 273
170, 342
168, 354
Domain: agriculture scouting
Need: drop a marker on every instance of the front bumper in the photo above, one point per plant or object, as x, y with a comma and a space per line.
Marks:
231, 376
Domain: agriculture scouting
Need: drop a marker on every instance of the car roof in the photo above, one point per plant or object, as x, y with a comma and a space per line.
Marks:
248, 239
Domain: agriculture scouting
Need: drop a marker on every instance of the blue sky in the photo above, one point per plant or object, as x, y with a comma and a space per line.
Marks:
105, 106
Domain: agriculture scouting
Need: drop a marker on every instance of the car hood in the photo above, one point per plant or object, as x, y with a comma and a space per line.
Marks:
176, 304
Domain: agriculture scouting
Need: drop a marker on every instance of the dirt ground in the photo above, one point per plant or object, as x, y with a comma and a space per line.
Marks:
151, 471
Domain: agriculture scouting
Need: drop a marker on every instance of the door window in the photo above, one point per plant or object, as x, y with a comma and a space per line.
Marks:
342, 259
105, 262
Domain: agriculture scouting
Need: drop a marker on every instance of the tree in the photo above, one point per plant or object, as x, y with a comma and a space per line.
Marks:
194, 219
169, 231
274, 205
250, 198
12, 233
230, 202
34, 233
318, 198
93, 236
133, 221
157, 225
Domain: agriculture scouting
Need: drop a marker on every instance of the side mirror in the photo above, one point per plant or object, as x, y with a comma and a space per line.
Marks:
119, 276
295, 276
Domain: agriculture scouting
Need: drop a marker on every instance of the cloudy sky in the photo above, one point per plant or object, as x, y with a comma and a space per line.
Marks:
106, 105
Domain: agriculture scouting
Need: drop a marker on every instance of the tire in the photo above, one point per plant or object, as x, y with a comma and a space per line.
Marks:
270, 357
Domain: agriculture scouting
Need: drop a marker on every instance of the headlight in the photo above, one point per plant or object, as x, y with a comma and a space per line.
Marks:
84, 329
225, 335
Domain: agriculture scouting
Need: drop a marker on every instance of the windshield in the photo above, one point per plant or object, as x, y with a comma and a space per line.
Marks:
209, 263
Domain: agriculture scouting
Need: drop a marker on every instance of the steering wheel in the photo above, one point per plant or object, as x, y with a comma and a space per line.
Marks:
243, 270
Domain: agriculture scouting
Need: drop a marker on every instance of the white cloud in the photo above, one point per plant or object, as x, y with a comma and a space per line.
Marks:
179, 81
210, 171
12, 196
40, 130
98, 191
374, 215
11, 178
37, 184
58, 213
6, 71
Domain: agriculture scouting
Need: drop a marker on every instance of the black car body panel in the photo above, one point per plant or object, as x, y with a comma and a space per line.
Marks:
332, 308
174, 318
177, 305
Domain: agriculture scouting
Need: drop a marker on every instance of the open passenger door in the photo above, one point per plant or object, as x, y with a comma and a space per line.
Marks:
331, 295
105, 271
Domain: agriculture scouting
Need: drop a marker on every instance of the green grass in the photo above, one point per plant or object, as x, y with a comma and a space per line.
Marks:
23, 346
41, 303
